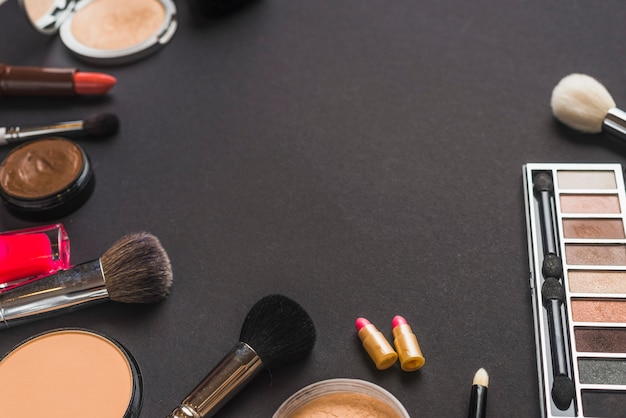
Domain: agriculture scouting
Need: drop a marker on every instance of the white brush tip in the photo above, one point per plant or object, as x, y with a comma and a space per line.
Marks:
481, 378
581, 102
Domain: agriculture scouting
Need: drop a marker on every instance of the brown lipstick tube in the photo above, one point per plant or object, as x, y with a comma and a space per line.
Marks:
36, 81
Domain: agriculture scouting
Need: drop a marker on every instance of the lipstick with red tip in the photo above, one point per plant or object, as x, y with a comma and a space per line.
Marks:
39, 81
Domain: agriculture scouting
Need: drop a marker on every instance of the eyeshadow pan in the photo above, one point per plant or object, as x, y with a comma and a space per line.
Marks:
602, 371
593, 228
607, 255
607, 404
587, 179
599, 340
589, 203
585, 281
592, 310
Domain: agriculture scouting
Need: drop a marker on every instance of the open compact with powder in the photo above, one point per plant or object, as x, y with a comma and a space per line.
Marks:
105, 31
45, 179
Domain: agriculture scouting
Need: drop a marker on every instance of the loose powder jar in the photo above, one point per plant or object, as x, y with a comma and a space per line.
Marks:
346, 398
46, 179
70, 373
106, 31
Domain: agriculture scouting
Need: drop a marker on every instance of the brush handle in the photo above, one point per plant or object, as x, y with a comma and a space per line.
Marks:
10, 135
77, 287
615, 123
237, 368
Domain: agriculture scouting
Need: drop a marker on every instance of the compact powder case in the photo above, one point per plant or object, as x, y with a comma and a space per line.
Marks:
106, 31
70, 373
46, 179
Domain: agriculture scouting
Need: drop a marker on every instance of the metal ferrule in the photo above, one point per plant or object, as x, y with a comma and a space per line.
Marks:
16, 134
226, 379
615, 123
77, 287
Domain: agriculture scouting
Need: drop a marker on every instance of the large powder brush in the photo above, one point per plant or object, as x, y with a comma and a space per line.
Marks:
276, 331
136, 269
584, 104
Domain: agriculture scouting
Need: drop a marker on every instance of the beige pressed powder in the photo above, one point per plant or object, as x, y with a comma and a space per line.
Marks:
68, 374
345, 405
117, 24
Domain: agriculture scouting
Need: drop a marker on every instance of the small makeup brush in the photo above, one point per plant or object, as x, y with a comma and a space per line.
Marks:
276, 331
136, 269
582, 103
478, 398
99, 125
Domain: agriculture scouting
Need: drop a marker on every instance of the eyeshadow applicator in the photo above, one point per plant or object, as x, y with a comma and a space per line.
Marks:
553, 294
136, 269
276, 331
99, 125
582, 103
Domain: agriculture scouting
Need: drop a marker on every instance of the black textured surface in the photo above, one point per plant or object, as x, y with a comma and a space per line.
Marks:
362, 158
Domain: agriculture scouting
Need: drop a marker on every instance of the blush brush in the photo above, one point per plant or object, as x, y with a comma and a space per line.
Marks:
136, 269
276, 331
99, 125
584, 104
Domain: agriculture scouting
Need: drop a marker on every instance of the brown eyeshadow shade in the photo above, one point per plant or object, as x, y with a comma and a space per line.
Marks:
598, 310
593, 228
584, 281
607, 255
600, 340
589, 203
41, 168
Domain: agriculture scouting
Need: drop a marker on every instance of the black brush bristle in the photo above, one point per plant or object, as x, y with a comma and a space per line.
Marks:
103, 124
279, 330
137, 269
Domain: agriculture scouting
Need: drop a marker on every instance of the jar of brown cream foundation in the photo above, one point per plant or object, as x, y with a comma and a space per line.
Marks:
45, 179
346, 398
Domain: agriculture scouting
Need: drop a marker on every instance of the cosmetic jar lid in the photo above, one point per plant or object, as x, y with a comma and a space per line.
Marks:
46, 179
362, 390
70, 373
106, 31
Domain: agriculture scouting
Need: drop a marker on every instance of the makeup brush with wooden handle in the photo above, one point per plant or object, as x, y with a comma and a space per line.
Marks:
582, 103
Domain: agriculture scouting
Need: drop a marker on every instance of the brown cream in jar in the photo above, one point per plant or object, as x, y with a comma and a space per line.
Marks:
345, 405
41, 168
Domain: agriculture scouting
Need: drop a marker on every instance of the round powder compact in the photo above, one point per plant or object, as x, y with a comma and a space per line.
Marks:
45, 179
346, 398
70, 373
107, 31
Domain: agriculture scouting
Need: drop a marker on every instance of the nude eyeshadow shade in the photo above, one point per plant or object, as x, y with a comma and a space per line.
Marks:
577, 255
70, 373
45, 179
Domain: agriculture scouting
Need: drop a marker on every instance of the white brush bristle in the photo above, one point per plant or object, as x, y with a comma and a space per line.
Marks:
581, 102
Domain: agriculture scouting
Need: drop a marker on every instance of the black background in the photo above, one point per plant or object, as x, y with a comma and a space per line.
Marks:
361, 157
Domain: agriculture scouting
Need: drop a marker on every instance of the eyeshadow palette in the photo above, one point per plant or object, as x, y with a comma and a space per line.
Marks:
575, 215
